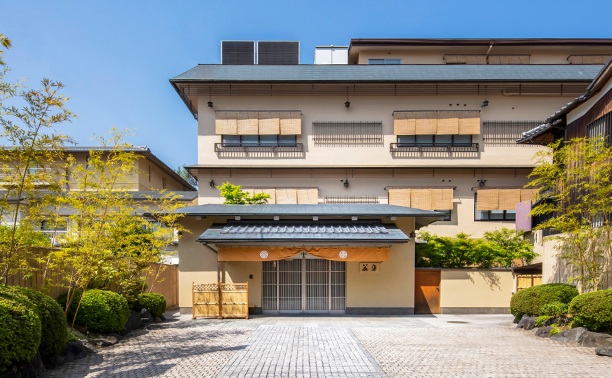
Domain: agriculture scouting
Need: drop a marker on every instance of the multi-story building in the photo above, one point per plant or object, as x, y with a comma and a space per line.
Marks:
423, 124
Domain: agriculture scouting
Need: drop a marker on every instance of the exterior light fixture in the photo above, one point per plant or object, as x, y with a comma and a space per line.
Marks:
412, 235
485, 103
210, 103
481, 182
211, 183
346, 183
347, 104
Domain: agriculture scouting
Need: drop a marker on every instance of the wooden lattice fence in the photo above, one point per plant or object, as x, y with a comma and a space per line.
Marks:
220, 300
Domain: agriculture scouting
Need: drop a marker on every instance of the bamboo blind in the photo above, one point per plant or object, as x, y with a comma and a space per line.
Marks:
248, 123
424, 199
269, 123
286, 196
508, 198
439, 123
226, 123
308, 196
465, 59
254, 123
272, 194
290, 123
528, 194
487, 199
399, 197
508, 59
589, 59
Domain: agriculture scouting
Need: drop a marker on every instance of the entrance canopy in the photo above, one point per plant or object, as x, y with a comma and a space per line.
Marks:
372, 254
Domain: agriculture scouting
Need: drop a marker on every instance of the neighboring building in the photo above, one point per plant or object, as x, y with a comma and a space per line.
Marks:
589, 115
423, 124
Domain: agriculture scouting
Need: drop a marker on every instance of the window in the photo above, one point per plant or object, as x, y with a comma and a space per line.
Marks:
436, 140
347, 133
493, 215
505, 133
262, 140
149, 173
384, 61
163, 183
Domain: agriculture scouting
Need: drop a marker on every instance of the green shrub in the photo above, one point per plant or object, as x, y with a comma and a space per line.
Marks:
19, 331
103, 311
530, 300
593, 310
555, 309
154, 303
52, 318
75, 302
540, 320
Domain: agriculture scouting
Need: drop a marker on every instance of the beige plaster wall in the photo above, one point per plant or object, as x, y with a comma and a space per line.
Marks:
475, 288
393, 286
375, 109
157, 176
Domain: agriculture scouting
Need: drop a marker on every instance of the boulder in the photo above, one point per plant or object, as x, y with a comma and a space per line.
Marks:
75, 350
146, 316
133, 322
162, 317
573, 335
594, 339
560, 320
604, 351
543, 332
106, 340
527, 322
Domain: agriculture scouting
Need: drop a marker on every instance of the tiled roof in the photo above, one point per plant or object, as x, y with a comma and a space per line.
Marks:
388, 73
303, 231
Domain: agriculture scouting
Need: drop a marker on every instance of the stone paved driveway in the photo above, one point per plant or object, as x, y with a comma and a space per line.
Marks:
469, 346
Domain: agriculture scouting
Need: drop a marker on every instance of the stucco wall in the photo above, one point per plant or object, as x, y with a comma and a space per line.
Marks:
476, 289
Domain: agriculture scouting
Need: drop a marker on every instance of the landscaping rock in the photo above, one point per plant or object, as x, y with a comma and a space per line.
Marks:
106, 340
134, 322
594, 339
162, 317
543, 332
32, 369
604, 351
146, 316
75, 350
573, 335
527, 322
157, 319
559, 320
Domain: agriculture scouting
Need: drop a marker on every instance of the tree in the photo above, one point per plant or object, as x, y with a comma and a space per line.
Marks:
233, 194
511, 246
28, 164
575, 184
181, 171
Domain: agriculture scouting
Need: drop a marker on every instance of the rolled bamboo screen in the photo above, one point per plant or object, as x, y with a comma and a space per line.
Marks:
269, 123
441, 199
528, 194
508, 59
448, 123
487, 199
426, 123
465, 59
272, 194
286, 196
589, 59
508, 198
248, 123
469, 123
420, 199
438, 123
290, 123
399, 197
308, 196
403, 125
226, 123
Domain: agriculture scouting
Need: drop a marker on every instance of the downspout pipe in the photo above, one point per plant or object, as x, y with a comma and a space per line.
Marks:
218, 263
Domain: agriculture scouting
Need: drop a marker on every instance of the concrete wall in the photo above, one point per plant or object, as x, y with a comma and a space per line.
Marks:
475, 291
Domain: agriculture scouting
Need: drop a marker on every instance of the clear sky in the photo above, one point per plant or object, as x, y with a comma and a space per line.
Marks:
115, 57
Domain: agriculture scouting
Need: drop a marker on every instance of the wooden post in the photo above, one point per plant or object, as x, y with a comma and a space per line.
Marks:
220, 300
247, 300
193, 308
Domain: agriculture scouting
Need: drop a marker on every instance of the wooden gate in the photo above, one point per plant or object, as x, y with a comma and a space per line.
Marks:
220, 300
427, 291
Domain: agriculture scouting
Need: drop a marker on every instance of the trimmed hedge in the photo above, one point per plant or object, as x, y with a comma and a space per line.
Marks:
153, 302
53, 320
21, 329
531, 300
593, 310
102, 311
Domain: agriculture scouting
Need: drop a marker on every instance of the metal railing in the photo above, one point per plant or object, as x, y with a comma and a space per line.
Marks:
288, 150
505, 133
347, 133
351, 200
434, 150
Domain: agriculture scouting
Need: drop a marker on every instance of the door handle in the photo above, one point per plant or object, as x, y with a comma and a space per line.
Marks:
438, 288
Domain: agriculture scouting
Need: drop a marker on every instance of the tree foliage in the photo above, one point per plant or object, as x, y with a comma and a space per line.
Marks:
574, 178
499, 248
181, 171
233, 194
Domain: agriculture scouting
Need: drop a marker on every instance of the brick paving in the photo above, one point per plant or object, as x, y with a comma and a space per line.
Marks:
339, 347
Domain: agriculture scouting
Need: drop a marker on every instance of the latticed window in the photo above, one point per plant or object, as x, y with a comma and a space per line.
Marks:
601, 127
505, 133
347, 133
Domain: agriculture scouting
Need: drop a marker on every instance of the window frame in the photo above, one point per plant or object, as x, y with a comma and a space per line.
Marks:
435, 144
385, 61
279, 141
505, 214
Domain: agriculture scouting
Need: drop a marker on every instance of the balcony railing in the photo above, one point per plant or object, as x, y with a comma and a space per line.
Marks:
260, 150
434, 150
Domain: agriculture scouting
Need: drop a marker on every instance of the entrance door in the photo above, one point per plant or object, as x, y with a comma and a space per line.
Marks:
427, 291
307, 285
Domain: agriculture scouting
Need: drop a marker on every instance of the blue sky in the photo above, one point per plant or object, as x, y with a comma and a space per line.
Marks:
115, 57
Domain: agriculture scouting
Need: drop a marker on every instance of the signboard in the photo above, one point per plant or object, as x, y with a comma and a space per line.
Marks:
369, 267
523, 220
